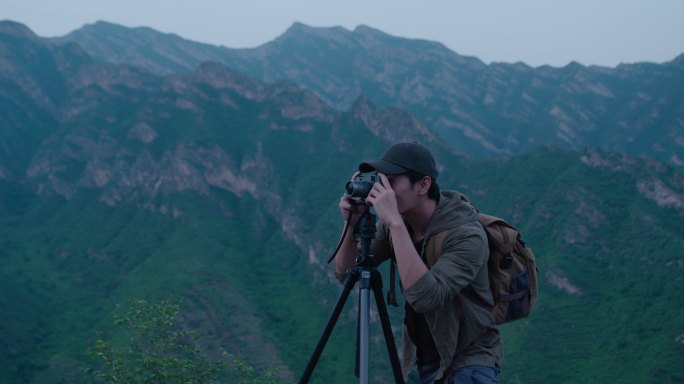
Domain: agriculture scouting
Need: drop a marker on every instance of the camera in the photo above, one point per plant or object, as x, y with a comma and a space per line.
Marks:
362, 184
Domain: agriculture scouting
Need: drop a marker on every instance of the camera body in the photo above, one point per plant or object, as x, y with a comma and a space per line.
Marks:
362, 184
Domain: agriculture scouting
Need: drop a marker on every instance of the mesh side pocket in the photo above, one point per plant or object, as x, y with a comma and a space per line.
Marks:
518, 296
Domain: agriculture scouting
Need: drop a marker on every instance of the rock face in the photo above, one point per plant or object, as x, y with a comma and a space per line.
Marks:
479, 109
73, 124
116, 181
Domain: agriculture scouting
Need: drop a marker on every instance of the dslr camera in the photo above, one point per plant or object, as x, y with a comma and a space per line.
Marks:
361, 185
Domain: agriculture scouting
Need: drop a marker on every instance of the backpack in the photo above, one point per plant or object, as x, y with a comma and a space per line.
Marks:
512, 270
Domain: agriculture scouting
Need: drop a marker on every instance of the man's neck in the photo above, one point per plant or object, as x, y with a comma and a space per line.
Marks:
419, 217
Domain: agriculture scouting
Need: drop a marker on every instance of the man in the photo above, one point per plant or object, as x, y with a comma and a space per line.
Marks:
449, 332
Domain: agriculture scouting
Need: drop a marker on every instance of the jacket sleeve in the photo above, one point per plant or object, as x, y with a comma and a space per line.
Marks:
465, 253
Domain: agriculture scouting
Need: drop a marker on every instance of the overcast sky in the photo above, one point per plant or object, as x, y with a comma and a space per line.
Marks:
537, 32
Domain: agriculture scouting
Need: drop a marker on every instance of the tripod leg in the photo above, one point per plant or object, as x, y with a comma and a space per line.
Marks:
387, 328
364, 327
352, 277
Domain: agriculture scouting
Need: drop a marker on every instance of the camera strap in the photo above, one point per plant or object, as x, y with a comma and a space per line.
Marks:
344, 234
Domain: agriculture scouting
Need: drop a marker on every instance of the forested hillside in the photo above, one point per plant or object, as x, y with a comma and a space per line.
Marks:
219, 191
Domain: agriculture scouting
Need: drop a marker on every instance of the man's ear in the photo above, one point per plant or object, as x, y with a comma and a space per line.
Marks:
425, 184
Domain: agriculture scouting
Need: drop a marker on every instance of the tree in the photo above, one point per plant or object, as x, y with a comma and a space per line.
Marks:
157, 351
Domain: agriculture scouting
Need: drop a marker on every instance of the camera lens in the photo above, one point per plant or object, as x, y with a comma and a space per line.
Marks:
358, 188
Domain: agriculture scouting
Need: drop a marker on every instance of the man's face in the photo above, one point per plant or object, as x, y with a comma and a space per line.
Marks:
406, 194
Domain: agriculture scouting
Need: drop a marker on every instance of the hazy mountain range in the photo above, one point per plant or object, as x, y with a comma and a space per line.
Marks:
135, 164
480, 109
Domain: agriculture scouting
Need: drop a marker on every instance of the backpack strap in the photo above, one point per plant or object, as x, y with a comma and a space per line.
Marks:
433, 248
504, 235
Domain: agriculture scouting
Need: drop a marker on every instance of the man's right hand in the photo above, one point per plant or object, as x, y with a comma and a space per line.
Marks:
349, 206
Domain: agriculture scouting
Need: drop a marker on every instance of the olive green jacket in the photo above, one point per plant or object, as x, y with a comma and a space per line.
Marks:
464, 332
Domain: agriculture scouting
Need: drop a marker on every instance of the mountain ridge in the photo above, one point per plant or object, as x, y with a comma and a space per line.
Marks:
480, 109
221, 191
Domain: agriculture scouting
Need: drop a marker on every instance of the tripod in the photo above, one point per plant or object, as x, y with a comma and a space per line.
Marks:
370, 279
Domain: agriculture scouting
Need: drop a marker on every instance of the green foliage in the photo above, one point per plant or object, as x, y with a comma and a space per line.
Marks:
591, 228
101, 217
248, 374
156, 350
68, 261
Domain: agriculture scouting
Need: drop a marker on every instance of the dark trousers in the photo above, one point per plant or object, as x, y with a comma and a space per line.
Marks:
471, 374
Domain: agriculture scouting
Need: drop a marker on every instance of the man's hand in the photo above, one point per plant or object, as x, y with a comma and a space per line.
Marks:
348, 206
383, 199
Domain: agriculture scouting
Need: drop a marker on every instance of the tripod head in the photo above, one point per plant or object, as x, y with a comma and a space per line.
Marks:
364, 230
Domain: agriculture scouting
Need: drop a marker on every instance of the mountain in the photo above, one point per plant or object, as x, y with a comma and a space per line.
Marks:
220, 191
580, 213
103, 205
480, 109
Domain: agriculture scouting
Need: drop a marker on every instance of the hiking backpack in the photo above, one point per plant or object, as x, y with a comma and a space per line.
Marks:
512, 270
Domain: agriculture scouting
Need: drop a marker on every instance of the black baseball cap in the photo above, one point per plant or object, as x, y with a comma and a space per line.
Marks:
401, 158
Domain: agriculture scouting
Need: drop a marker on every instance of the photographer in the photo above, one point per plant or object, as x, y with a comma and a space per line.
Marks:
447, 335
